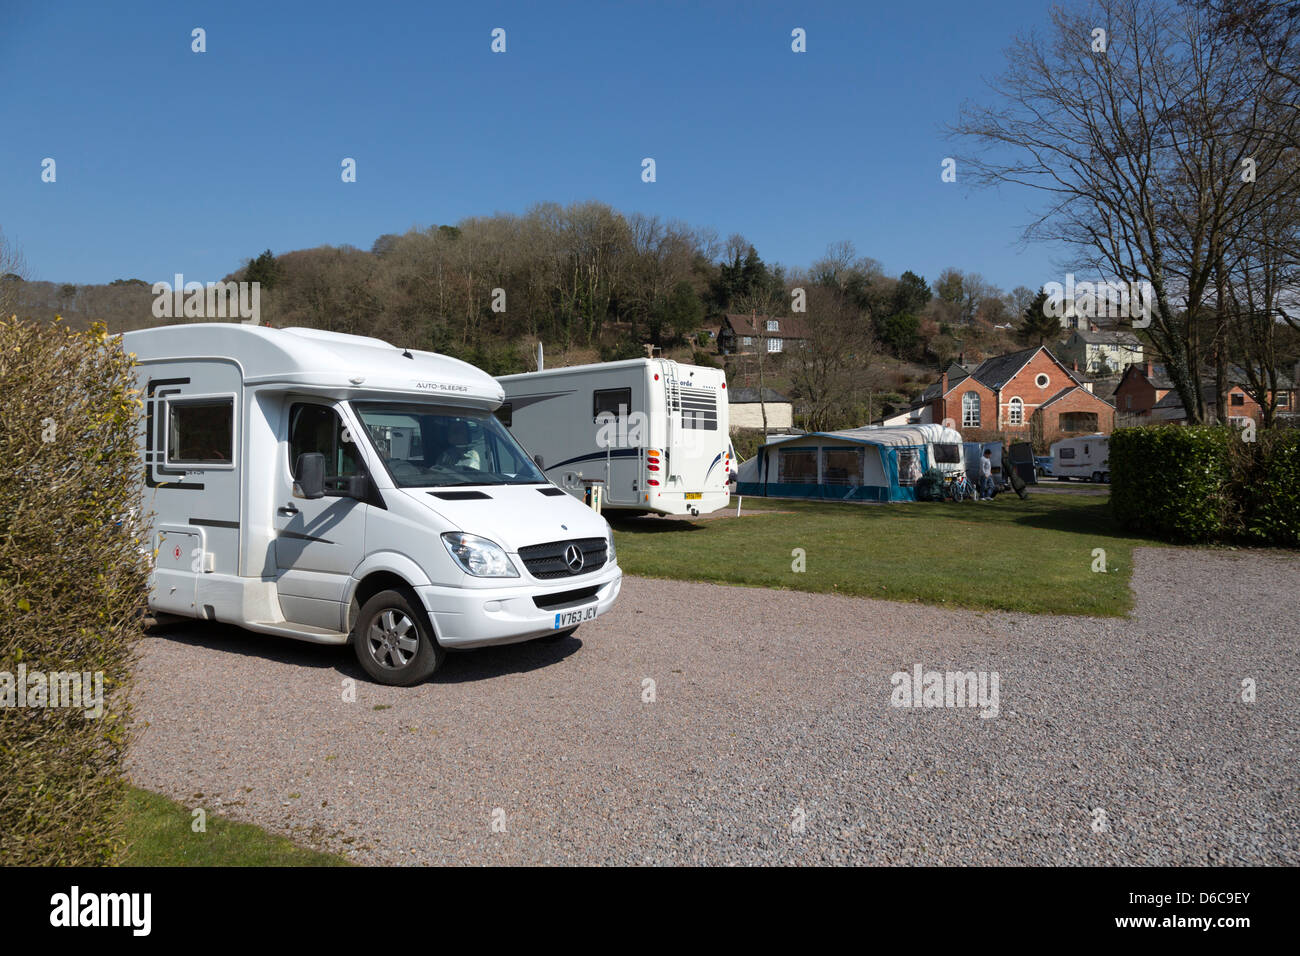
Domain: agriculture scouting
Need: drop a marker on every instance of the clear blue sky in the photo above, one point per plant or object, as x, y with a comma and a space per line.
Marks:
170, 161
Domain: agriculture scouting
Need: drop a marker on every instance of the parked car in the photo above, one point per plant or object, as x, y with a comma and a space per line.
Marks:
1043, 466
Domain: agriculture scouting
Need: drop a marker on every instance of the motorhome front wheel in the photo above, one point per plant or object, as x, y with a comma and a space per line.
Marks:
394, 642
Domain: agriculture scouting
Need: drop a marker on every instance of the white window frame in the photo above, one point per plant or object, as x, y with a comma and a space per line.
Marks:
1042, 380
773, 325
975, 408
775, 345
188, 399
1015, 410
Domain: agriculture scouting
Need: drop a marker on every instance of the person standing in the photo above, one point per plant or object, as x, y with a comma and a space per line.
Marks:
986, 475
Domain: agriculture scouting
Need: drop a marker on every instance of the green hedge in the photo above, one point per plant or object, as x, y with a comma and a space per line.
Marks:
72, 590
1266, 485
1207, 483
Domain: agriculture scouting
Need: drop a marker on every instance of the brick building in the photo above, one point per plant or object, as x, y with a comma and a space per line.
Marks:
1023, 395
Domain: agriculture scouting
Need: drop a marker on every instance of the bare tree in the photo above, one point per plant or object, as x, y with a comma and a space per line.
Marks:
1138, 136
13, 272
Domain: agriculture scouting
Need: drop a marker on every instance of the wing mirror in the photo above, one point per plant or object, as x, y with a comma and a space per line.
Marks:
309, 476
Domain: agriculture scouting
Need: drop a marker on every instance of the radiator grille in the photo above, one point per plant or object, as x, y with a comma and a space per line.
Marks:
547, 561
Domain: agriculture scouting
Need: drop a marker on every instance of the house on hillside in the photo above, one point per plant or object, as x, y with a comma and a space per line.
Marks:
745, 411
741, 334
1096, 353
1018, 394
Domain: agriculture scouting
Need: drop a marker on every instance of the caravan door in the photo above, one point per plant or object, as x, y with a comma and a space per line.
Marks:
318, 542
620, 420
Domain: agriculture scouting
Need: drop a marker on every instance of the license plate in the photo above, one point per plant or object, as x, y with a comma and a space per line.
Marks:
577, 616
694, 495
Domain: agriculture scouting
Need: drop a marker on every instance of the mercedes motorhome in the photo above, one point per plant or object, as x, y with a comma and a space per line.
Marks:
337, 489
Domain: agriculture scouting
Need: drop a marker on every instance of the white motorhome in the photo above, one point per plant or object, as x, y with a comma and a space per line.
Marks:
1086, 457
651, 432
337, 489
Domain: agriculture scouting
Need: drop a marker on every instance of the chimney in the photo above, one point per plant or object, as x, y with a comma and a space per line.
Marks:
943, 383
1076, 365
1149, 373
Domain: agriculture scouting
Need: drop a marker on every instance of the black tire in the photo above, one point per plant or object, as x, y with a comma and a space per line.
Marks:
1096, 477
557, 636
383, 641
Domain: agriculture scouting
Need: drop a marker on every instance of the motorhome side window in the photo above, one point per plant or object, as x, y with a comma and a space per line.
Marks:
615, 401
1067, 452
505, 415
201, 432
318, 428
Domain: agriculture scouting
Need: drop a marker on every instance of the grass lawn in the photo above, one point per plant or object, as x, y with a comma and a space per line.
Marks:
1034, 556
158, 834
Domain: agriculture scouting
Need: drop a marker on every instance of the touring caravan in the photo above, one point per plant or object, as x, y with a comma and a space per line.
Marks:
651, 433
337, 489
1086, 457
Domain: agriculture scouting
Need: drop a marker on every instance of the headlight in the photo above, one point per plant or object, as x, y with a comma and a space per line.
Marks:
609, 547
479, 556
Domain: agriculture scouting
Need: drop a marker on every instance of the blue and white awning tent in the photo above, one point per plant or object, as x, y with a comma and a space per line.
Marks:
856, 464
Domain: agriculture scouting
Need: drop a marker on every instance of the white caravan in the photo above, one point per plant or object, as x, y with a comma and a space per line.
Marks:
336, 489
652, 433
1086, 457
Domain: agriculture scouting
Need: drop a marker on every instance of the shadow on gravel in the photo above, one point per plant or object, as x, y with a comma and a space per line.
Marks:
459, 667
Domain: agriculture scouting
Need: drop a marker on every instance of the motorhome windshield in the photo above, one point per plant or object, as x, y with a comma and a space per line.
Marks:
429, 446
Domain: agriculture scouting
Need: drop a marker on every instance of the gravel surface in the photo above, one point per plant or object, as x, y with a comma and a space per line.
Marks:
771, 738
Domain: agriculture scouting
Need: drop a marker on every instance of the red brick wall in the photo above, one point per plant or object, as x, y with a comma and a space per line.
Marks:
1024, 387
1080, 401
1142, 392
950, 405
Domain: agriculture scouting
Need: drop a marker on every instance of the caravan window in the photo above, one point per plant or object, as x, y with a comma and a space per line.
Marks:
909, 466
842, 466
201, 431
797, 466
948, 454
1064, 453
318, 428
614, 401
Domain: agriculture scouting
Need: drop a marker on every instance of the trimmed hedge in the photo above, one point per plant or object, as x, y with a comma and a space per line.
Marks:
1206, 483
72, 590
1266, 484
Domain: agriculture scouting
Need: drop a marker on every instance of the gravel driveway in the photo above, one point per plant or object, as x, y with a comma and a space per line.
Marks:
771, 737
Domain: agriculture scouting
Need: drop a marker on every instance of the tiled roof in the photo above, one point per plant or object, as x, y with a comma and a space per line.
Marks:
788, 327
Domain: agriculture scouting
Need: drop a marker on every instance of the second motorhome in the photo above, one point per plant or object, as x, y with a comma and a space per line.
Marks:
652, 434
337, 489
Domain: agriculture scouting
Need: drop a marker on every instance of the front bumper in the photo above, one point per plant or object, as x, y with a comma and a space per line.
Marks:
482, 617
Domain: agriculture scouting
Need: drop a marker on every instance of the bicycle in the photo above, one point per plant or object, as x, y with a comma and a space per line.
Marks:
958, 488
